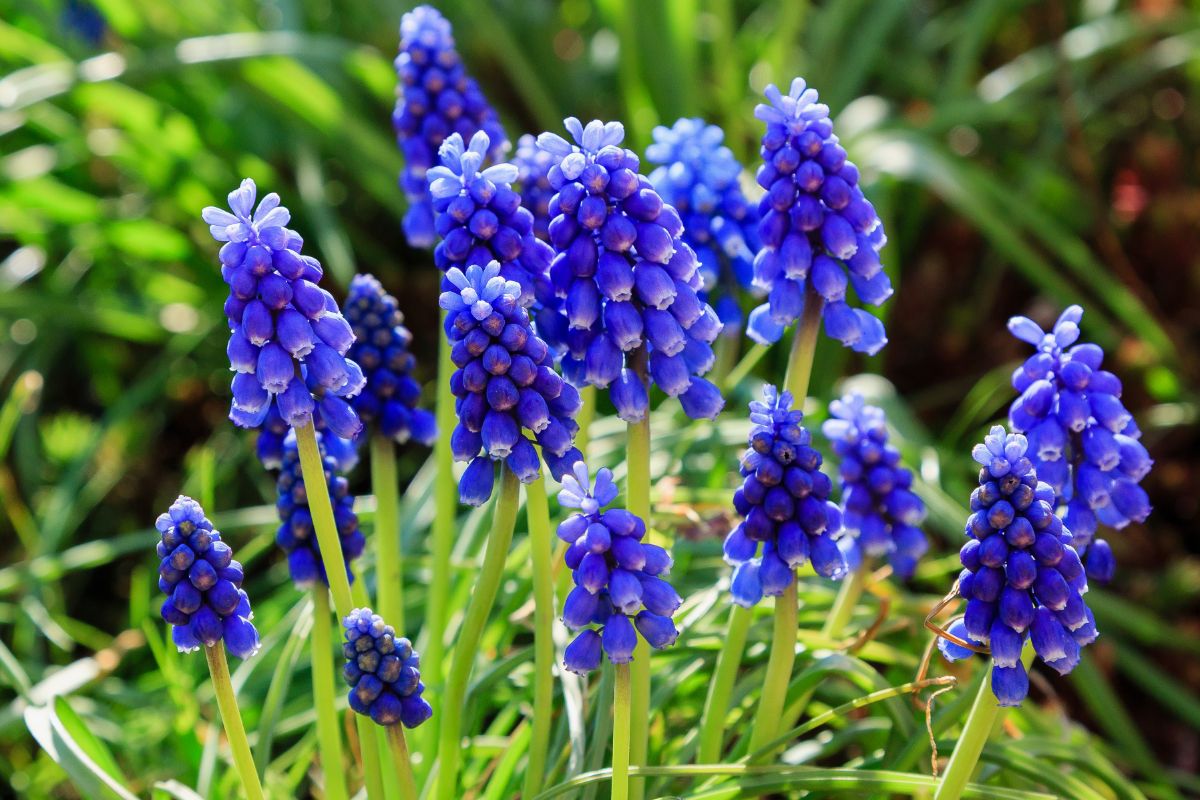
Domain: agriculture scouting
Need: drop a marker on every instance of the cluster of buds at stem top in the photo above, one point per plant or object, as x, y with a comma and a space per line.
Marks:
819, 233
383, 672
1082, 440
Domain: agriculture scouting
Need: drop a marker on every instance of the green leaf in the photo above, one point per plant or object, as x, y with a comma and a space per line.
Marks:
88, 777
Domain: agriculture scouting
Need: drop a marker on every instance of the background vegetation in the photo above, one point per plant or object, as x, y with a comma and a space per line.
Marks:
1023, 156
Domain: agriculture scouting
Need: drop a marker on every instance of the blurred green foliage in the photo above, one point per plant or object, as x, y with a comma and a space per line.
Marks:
1023, 156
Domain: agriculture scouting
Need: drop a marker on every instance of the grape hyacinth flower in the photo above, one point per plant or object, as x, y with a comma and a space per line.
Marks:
819, 233
1021, 577
504, 383
631, 284
381, 342
288, 340
383, 672
784, 500
434, 99
699, 177
205, 601
881, 514
480, 220
1083, 442
296, 535
618, 578
533, 183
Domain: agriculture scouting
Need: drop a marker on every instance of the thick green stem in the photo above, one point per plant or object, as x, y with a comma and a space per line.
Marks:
720, 687
231, 718
985, 715
537, 509
779, 669
313, 471
622, 719
368, 745
388, 577
445, 494
466, 647
329, 738
804, 348
637, 501
843, 605
404, 774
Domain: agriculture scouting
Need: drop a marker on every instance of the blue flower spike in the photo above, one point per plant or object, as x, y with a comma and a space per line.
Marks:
383, 672
296, 535
881, 515
788, 518
504, 385
205, 602
435, 98
288, 339
699, 176
533, 182
1022, 579
620, 591
1082, 440
628, 281
818, 232
381, 348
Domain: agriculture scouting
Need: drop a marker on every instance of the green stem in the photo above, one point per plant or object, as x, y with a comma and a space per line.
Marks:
329, 738
388, 577
804, 349
726, 352
372, 769
313, 471
537, 510
404, 773
985, 715
445, 493
504, 518
637, 501
720, 688
779, 668
622, 720
231, 718
843, 605
743, 367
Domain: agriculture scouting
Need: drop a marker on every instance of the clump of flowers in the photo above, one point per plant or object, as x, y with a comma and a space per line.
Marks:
205, 602
434, 99
881, 514
504, 383
784, 500
533, 183
619, 584
381, 349
1021, 577
288, 340
699, 176
383, 672
296, 535
629, 282
819, 233
1082, 440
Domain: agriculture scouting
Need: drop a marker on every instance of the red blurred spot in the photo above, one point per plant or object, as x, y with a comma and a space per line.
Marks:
1129, 197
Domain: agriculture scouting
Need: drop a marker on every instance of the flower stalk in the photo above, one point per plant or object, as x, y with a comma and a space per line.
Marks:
329, 738
404, 774
537, 510
231, 719
389, 578
637, 500
445, 496
622, 702
313, 470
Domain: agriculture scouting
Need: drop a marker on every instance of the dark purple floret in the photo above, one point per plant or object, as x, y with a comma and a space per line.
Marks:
819, 233
383, 672
205, 602
296, 535
619, 579
434, 99
388, 404
1082, 440
784, 500
881, 515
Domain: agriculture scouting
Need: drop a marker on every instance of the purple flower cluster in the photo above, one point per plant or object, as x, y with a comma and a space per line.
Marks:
629, 282
383, 672
504, 383
288, 339
296, 535
380, 348
784, 499
1082, 440
819, 233
699, 177
435, 98
881, 514
533, 183
205, 602
1021, 577
618, 577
